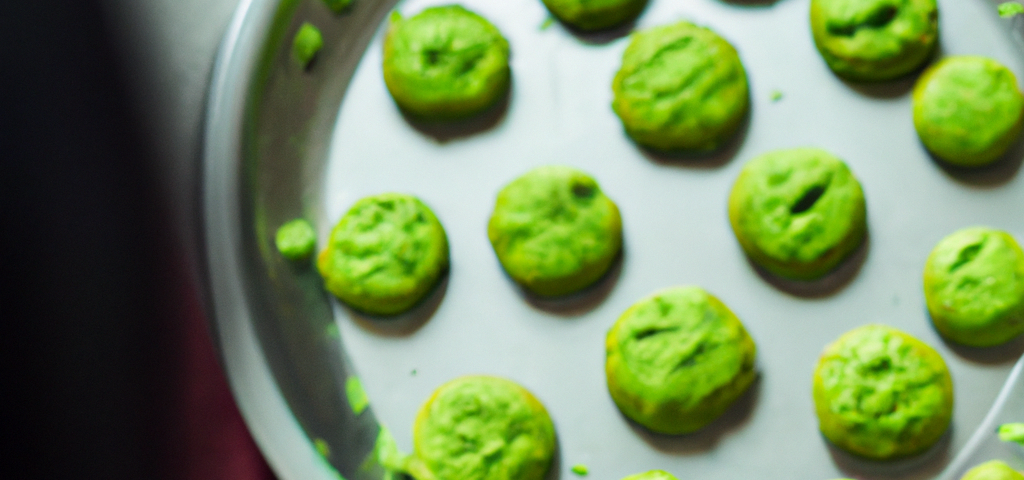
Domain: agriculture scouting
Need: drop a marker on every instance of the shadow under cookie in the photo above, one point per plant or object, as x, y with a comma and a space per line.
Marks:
406, 323
926, 465
823, 287
579, 303
443, 131
713, 159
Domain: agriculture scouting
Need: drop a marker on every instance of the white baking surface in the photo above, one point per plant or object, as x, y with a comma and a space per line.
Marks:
676, 232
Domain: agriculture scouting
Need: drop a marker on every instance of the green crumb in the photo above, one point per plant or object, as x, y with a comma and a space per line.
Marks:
548, 22
338, 6
322, 447
308, 41
776, 95
296, 238
1012, 432
413, 372
1010, 9
356, 395
580, 469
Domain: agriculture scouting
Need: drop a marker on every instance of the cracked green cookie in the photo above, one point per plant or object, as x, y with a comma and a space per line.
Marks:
445, 63
554, 231
968, 110
385, 254
680, 88
677, 359
992, 470
482, 428
974, 287
873, 40
798, 212
591, 15
882, 394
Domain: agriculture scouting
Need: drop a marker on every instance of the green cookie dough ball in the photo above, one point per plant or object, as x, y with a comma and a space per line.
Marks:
307, 43
974, 287
652, 475
871, 40
445, 63
590, 15
554, 230
385, 254
882, 394
483, 428
798, 213
681, 87
295, 239
992, 470
968, 110
677, 359
1012, 432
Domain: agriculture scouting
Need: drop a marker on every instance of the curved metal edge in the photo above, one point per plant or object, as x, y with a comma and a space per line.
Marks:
274, 428
986, 431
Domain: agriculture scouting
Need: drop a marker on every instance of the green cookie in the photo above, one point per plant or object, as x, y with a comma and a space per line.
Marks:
385, 254
882, 394
445, 63
798, 213
483, 428
590, 15
554, 230
681, 87
974, 287
677, 359
652, 475
992, 470
968, 110
871, 40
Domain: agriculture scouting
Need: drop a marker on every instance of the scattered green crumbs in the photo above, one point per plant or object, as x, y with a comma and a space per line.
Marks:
580, 469
1012, 432
322, 447
308, 41
356, 395
295, 239
1010, 9
548, 22
338, 6
776, 95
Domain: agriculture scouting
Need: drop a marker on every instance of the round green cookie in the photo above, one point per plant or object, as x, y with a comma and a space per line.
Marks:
385, 254
871, 40
483, 428
445, 63
974, 287
882, 394
992, 470
677, 359
554, 230
295, 239
798, 213
968, 110
590, 15
681, 87
652, 475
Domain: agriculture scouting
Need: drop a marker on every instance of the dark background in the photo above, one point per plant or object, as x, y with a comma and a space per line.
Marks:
109, 370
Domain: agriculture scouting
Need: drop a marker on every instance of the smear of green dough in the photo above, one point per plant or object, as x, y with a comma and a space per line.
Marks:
652, 475
882, 393
322, 447
308, 41
356, 395
776, 95
580, 469
992, 470
1010, 9
1012, 432
547, 23
295, 239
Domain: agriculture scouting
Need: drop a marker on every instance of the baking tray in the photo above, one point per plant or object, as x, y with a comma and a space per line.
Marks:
281, 142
